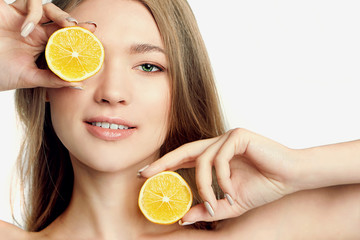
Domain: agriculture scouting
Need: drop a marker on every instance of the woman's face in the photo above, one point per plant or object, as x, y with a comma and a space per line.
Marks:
131, 91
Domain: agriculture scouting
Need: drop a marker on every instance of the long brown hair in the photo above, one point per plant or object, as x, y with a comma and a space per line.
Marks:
45, 170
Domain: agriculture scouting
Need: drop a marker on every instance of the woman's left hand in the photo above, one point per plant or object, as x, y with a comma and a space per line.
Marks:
251, 170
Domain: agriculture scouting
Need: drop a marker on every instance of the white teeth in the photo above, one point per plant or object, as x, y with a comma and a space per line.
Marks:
109, 125
105, 125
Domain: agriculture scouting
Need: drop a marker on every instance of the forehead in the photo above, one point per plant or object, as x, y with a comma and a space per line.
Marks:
125, 21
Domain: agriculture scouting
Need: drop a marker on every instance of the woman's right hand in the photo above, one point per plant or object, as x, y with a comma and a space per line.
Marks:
23, 37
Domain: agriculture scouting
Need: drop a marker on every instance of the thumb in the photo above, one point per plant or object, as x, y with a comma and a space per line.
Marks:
45, 78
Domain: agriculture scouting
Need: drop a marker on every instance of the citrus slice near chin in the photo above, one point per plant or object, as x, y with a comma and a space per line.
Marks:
74, 53
165, 198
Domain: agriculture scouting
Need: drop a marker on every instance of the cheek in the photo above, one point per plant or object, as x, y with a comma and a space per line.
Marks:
158, 104
156, 109
64, 105
66, 98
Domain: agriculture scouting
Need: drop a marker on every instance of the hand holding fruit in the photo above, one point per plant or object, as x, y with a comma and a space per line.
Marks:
23, 36
251, 170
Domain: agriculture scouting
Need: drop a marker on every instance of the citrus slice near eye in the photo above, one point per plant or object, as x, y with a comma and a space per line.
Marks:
165, 198
74, 53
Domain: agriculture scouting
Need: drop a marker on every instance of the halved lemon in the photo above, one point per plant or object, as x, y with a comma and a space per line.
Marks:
74, 53
165, 198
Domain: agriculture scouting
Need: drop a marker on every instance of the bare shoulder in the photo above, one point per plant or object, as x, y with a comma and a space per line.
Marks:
10, 231
326, 213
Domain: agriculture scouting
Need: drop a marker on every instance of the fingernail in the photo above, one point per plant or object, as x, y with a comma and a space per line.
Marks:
209, 208
27, 29
229, 199
91, 22
71, 19
181, 223
77, 88
141, 170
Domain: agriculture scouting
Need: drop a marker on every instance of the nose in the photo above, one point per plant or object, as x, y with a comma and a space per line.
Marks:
113, 86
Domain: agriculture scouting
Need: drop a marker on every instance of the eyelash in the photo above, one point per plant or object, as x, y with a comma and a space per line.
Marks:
149, 65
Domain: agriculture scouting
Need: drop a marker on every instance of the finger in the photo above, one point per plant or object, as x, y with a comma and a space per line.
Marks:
34, 14
178, 157
204, 174
61, 19
45, 78
222, 166
55, 18
64, 19
58, 16
188, 164
89, 25
199, 213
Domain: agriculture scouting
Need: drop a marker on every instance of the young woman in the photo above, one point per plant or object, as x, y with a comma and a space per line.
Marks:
81, 183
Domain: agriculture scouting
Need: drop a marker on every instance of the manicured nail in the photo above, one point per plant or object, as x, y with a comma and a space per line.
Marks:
229, 199
77, 88
209, 208
27, 29
91, 22
71, 19
181, 223
141, 170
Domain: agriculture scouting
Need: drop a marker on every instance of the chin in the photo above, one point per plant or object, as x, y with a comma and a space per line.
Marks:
112, 163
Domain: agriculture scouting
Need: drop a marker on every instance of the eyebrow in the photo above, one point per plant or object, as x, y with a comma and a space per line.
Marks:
145, 48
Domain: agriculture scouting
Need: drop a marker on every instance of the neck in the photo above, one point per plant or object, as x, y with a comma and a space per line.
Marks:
104, 206
106, 203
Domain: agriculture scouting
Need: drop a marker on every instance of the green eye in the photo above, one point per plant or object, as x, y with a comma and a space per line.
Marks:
149, 68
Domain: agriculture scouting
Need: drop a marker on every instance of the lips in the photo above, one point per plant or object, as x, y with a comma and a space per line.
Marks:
109, 129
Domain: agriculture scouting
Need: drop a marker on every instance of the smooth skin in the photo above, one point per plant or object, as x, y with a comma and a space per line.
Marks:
278, 193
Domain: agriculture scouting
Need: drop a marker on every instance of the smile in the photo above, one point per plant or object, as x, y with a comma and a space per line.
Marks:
109, 129
110, 125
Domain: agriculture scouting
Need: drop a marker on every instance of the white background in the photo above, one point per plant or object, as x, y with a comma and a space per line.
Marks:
286, 69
